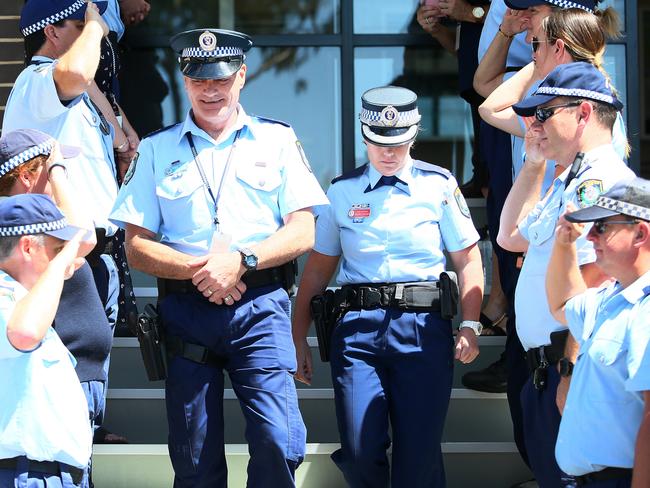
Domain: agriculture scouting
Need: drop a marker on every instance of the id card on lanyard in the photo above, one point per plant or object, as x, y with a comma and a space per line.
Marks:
220, 242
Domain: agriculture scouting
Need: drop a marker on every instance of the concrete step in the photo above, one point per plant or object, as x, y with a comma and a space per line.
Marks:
141, 416
127, 370
468, 465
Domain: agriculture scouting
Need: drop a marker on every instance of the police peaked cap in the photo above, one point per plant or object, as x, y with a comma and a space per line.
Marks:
210, 54
38, 14
389, 116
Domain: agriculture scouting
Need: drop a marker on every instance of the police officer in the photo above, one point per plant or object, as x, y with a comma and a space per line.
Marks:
574, 111
46, 437
605, 428
388, 225
231, 196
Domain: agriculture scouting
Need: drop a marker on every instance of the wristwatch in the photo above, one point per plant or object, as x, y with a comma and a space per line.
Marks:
566, 367
248, 259
478, 12
477, 327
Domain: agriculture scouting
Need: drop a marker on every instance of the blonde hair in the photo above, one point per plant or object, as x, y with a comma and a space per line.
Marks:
7, 181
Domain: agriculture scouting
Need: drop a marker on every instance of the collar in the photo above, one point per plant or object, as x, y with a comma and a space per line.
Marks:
243, 120
39, 59
637, 290
9, 286
404, 177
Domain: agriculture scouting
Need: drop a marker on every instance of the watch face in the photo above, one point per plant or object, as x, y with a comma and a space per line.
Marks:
250, 261
478, 12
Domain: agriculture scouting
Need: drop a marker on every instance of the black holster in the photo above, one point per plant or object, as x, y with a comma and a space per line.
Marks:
448, 295
150, 337
324, 316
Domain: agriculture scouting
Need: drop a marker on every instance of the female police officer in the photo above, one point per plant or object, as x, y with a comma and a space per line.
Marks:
392, 352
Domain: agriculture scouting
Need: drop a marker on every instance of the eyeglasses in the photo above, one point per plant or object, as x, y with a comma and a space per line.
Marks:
534, 43
542, 114
600, 226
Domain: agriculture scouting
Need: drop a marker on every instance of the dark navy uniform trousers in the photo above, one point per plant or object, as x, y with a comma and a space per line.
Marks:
254, 339
389, 365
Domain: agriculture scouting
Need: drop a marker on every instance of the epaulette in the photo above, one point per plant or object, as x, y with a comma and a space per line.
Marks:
159, 131
424, 166
272, 121
350, 174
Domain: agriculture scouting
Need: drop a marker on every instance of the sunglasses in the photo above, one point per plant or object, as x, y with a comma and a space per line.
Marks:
534, 43
542, 114
600, 226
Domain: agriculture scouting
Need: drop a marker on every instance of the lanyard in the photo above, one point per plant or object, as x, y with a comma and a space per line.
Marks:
215, 200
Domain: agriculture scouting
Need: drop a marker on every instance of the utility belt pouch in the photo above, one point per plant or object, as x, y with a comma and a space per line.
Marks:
150, 337
558, 343
322, 312
448, 295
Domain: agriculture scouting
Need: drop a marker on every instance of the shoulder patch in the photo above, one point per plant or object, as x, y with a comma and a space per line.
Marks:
160, 131
356, 172
588, 192
424, 166
462, 204
272, 121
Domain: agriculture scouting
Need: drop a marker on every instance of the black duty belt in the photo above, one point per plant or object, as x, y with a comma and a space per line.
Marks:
420, 295
550, 353
46, 467
604, 475
264, 277
104, 246
194, 352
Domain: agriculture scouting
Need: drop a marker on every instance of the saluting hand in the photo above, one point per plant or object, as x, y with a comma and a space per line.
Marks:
92, 14
566, 232
466, 346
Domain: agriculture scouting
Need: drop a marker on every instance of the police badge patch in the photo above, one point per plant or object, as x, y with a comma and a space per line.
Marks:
303, 156
131, 171
462, 204
208, 41
588, 192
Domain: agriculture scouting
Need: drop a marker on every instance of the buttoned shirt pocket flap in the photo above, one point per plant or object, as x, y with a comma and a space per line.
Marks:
180, 184
90, 115
544, 227
605, 351
260, 176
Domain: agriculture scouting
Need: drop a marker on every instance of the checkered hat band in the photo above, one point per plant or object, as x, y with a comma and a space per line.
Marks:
404, 119
574, 92
624, 208
31, 229
32, 152
52, 19
220, 52
564, 4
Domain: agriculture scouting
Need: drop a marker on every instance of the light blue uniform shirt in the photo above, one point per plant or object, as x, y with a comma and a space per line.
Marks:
268, 178
600, 169
34, 103
604, 407
394, 233
43, 412
113, 19
519, 53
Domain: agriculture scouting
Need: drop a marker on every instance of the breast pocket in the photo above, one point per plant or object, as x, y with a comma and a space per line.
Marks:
183, 201
609, 362
264, 178
544, 227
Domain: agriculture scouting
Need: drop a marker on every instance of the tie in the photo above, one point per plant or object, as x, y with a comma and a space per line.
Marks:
384, 181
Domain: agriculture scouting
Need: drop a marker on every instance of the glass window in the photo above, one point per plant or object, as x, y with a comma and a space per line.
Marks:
298, 85
385, 16
249, 16
446, 128
614, 64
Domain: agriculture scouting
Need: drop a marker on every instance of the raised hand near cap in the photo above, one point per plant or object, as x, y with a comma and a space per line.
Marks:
93, 15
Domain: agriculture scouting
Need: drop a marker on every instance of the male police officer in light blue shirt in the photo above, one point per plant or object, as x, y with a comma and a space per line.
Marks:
605, 428
231, 197
45, 436
574, 110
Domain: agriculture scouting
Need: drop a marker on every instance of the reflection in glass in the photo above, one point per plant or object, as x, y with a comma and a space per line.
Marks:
614, 64
249, 16
300, 86
384, 16
446, 132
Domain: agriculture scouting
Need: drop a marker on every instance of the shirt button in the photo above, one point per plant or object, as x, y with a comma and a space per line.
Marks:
602, 359
262, 182
94, 119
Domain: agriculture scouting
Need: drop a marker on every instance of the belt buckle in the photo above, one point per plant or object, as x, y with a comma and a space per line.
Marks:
370, 297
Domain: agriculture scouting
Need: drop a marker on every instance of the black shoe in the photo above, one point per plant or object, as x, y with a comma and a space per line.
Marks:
471, 189
493, 379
